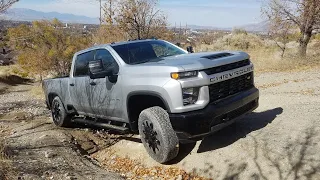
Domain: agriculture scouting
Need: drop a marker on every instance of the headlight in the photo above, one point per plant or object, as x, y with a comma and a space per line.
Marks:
190, 95
182, 75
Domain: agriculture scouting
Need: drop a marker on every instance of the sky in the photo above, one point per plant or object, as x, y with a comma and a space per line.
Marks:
217, 13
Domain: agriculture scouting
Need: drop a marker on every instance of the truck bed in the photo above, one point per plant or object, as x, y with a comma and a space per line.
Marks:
56, 87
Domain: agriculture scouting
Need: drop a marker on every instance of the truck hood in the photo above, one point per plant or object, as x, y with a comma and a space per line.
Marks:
197, 61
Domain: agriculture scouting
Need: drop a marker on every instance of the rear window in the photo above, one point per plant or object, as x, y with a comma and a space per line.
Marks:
140, 52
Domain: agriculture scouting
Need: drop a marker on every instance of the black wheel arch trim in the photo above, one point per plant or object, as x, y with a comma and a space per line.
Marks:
148, 93
145, 93
55, 95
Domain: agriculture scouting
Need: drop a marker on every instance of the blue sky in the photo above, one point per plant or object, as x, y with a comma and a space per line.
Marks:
218, 13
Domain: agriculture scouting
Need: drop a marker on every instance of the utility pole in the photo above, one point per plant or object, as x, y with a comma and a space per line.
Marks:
100, 12
185, 32
180, 32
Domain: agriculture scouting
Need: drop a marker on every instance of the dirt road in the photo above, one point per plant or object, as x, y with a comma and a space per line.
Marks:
280, 140
37, 148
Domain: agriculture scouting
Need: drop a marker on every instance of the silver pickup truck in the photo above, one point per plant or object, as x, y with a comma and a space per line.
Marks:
154, 88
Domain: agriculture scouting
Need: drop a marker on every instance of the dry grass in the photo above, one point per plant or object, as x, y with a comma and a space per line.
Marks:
37, 91
6, 171
265, 55
134, 170
6, 71
268, 60
3, 163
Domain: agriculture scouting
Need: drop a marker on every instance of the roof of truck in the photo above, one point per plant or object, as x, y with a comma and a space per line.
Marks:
114, 44
130, 41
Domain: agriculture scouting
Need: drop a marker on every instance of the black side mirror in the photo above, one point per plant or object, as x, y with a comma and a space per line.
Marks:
97, 70
190, 49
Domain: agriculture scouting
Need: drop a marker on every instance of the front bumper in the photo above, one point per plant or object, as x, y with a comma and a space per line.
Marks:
217, 115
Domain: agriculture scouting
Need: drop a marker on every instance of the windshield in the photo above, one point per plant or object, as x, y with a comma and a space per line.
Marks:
141, 52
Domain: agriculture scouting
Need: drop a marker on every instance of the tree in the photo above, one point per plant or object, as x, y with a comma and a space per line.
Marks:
140, 18
5, 4
110, 9
108, 34
305, 14
46, 47
282, 33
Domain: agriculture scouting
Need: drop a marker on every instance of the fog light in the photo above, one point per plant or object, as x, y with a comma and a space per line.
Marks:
190, 95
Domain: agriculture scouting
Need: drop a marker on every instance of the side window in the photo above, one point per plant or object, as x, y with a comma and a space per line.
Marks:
109, 63
81, 63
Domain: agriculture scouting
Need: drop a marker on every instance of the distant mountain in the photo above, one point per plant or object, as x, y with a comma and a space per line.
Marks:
22, 14
208, 28
257, 27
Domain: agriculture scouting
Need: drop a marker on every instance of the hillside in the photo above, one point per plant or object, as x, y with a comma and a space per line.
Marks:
22, 14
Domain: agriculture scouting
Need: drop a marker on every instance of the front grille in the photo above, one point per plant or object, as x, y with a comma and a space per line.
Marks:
227, 67
230, 87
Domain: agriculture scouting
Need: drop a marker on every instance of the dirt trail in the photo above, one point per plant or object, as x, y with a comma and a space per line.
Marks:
37, 148
280, 140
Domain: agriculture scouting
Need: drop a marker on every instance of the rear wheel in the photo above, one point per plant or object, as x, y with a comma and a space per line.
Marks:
59, 114
157, 134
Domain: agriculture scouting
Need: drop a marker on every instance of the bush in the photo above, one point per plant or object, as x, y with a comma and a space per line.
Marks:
239, 31
240, 41
264, 53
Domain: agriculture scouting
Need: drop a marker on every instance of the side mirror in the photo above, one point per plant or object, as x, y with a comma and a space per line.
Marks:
97, 70
190, 49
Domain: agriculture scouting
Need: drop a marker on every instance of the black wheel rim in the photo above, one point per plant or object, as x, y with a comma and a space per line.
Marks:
151, 136
56, 112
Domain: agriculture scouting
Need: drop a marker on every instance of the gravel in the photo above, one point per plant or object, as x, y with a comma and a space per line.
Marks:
20, 101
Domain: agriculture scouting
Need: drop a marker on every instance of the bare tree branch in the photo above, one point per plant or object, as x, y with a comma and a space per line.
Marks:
5, 4
304, 13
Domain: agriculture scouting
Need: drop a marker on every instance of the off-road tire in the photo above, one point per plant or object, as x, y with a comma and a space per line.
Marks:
61, 118
166, 140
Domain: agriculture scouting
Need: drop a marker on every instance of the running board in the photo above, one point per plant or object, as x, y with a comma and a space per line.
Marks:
101, 125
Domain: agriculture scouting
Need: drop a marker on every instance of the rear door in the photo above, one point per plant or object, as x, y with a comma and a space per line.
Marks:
80, 88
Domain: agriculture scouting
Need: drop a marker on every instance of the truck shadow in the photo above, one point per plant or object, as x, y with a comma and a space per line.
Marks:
238, 130
232, 133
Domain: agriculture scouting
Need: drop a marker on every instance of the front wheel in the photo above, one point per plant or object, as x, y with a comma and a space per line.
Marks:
157, 134
59, 114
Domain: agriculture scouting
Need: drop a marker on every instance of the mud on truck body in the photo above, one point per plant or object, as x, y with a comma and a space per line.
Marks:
155, 89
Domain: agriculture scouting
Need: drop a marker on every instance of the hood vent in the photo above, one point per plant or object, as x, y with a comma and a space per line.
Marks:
217, 56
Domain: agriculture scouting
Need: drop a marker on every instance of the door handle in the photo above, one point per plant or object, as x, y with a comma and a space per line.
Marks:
71, 84
93, 83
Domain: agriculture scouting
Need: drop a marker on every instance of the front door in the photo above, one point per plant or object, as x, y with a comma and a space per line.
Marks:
106, 92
